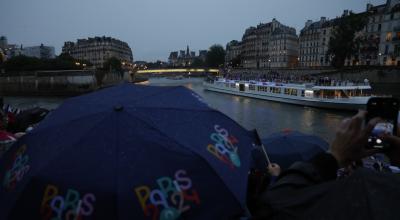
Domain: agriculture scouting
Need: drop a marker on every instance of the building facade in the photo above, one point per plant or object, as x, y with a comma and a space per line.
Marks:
98, 50
41, 52
270, 45
3, 42
314, 42
389, 47
233, 50
185, 58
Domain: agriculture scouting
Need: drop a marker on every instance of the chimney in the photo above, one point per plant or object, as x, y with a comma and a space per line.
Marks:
323, 19
308, 23
369, 6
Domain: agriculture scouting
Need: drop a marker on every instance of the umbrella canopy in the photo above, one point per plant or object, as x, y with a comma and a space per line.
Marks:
366, 194
287, 147
128, 152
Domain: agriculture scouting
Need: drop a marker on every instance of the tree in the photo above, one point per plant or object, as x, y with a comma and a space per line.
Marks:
343, 44
215, 56
197, 62
114, 64
236, 62
62, 62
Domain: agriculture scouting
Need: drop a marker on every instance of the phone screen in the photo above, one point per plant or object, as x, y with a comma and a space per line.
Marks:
387, 109
383, 128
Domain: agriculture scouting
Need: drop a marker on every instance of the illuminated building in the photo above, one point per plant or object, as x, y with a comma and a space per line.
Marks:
98, 50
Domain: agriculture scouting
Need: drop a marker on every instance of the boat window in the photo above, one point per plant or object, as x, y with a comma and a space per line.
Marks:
276, 90
252, 87
226, 84
291, 92
302, 93
340, 94
263, 89
233, 85
366, 92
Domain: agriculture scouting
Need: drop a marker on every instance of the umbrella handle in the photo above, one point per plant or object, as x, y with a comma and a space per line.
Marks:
262, 147
265, 153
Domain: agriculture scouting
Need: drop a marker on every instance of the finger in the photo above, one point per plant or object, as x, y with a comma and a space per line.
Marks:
357, 120
345, 124
370, 126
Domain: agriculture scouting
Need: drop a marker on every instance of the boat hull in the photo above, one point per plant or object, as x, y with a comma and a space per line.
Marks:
311, 102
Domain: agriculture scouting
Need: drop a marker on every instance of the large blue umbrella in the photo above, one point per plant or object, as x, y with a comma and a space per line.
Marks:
128, 152
287, 147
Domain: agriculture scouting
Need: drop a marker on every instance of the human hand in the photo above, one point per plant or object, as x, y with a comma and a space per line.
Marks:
350, 142
274, 169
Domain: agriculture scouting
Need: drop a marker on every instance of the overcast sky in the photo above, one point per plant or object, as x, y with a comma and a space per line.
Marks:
153, 28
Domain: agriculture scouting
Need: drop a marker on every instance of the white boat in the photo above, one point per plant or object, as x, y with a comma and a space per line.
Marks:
343, 96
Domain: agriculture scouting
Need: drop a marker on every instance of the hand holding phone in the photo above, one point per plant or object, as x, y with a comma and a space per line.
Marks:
387, 109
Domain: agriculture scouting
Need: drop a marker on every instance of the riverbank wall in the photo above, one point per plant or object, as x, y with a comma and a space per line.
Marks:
56, 83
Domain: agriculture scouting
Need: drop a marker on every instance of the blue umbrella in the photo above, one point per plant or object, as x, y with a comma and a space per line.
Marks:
128, 152
287, 147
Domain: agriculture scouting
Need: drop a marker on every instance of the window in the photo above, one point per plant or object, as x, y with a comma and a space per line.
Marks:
388, 36
397, 50
379, 27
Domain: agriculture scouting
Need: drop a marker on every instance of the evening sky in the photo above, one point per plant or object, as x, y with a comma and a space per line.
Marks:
154, 28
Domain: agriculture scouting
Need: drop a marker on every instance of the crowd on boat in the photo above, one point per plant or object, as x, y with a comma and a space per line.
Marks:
274, 76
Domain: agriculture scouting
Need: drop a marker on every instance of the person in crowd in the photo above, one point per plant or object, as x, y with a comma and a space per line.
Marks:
344, 156
258, 182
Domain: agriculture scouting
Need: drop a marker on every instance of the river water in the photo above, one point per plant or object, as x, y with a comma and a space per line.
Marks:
265, 116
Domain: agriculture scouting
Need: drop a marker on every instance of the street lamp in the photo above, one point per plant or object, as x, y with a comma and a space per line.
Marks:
269, 64
379, 58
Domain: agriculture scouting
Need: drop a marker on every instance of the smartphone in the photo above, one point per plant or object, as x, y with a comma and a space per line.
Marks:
388, 110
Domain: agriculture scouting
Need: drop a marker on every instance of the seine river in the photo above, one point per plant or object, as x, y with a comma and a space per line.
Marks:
267, 117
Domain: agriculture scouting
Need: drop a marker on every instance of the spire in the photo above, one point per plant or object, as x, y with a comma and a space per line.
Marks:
187, 51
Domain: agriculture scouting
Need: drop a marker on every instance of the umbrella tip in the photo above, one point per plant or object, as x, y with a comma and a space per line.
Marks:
118, 108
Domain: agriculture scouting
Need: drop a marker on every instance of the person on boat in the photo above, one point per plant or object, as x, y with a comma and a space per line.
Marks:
346, 152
